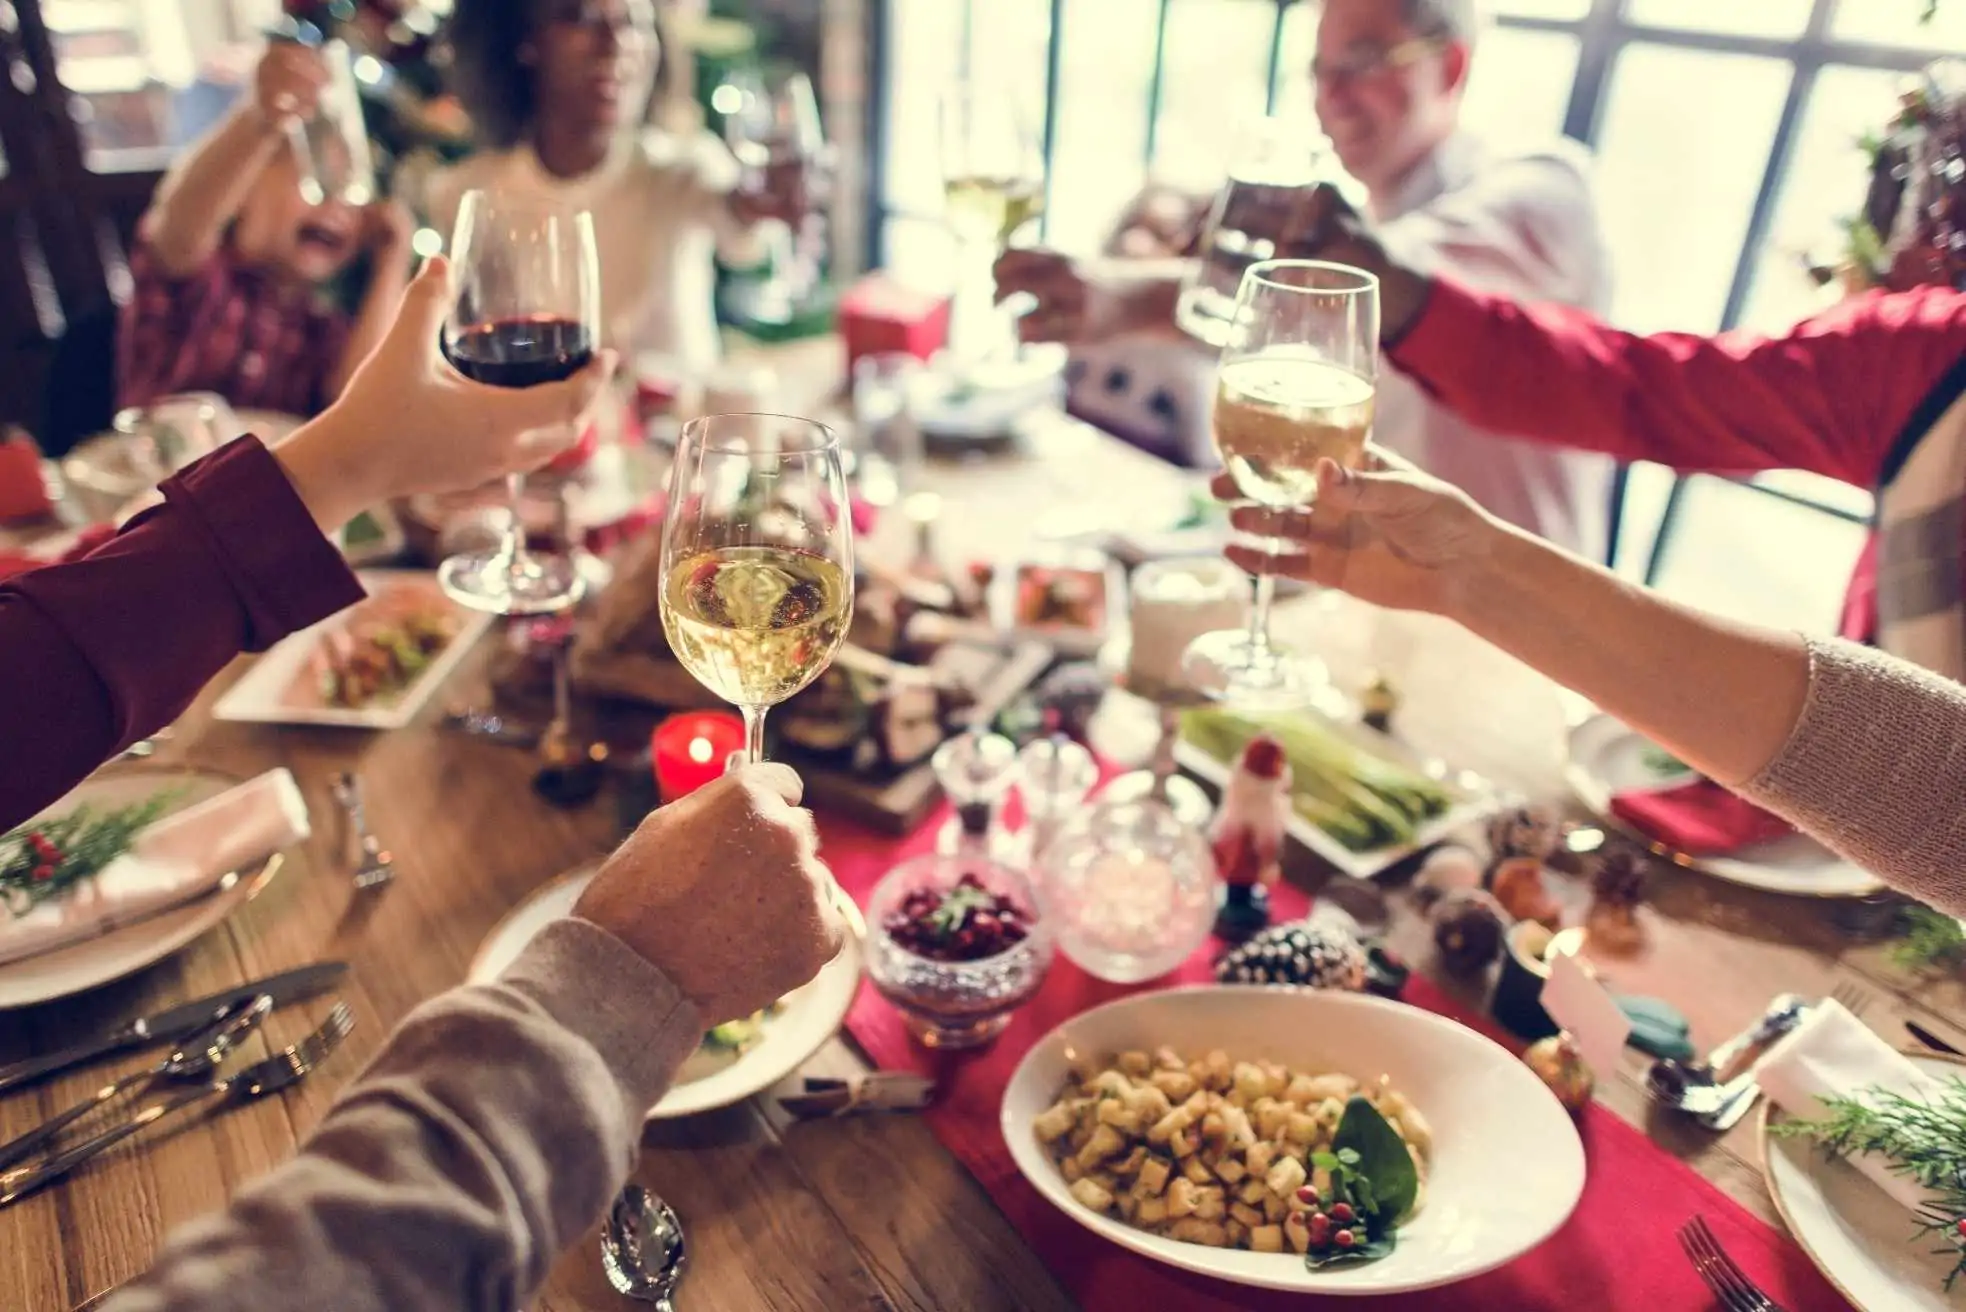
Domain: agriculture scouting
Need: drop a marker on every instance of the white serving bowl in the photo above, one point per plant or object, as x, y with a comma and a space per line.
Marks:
1507, 1166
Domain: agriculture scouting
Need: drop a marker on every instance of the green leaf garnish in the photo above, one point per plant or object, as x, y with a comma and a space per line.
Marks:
1380, 1156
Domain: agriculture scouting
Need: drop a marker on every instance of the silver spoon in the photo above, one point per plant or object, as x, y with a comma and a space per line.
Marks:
1696, 1087
642, 1248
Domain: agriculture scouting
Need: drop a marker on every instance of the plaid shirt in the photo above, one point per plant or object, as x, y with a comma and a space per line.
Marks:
260, 342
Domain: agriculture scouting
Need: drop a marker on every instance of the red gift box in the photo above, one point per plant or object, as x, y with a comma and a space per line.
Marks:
23, 490
879, 315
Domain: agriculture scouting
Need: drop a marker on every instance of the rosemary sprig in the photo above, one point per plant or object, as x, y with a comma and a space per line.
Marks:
1931, 940
43, 859
1923, 1140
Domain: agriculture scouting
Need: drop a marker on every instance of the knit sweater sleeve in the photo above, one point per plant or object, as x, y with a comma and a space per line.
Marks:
1876, 769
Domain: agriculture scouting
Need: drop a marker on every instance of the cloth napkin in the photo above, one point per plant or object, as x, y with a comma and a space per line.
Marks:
1832, 1054
1699, 818
174, 860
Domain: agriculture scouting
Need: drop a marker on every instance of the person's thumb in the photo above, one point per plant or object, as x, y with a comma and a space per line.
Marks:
777, 778
425, 303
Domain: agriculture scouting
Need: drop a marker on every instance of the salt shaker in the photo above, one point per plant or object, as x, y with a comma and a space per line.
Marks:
976, 770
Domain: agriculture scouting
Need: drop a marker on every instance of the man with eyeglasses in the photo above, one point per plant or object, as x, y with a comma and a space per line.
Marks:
1389, 77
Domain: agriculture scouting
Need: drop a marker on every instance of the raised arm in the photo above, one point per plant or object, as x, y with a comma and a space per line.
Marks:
495, 1124
103, 650
197, 199
1863, 751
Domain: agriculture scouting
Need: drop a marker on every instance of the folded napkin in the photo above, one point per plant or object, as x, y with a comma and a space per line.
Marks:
175, 860
1699, 818
1832, 1054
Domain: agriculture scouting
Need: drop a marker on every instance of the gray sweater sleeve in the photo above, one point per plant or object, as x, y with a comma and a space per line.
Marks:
1876, 769
491, 1130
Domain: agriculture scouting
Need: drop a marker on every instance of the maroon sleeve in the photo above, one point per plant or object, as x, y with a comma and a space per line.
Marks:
1829, 396
104, 650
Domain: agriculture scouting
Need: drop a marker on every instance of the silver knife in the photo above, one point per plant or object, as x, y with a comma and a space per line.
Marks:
175, 1023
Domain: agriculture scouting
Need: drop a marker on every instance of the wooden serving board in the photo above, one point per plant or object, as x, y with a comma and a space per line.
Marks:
897, 803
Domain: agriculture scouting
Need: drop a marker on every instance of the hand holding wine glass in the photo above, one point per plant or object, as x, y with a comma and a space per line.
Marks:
527, 313
757, 559
1296, 385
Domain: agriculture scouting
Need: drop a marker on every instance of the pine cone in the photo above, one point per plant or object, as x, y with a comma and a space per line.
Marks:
1529, 831
1469, 926
1620, 879
1315, 956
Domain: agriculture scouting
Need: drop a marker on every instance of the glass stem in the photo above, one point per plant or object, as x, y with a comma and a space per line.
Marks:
515, 537
754, 733
1262, 593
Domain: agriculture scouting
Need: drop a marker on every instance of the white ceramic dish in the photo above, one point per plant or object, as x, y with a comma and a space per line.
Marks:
805, 1019
124, 951
1492, 1120
1607, 757
1473, 800
261, 696
1860, 1240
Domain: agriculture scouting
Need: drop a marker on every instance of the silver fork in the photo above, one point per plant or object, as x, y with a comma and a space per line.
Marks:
282, 1070
1728, 1282
377, 866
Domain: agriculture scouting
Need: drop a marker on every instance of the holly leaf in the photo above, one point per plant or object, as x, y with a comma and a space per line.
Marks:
1370, 1250
1382, 1158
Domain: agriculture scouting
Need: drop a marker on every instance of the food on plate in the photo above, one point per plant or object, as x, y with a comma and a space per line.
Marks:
381, 648
1243, 1154
1060, 597
741, 1035
1362, 799
965, 922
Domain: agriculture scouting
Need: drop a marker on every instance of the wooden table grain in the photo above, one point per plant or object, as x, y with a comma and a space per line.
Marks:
868, 1212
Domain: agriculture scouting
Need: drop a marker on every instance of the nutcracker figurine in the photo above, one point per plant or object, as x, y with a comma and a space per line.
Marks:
1246, 837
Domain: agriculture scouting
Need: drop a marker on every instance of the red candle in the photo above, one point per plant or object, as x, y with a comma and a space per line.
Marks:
688, 751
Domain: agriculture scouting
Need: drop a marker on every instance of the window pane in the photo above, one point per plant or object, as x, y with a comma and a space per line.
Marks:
122, 63
1827, 176
1218, 57
1520, 86
1897, 22
924, 48
919, 253
1674, 191
1560, 9
1756, 18
1099, 157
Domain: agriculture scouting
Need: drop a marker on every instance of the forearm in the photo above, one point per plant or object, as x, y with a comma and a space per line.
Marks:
1721, 696
489, 1132
193, 205
388, 277
108, 648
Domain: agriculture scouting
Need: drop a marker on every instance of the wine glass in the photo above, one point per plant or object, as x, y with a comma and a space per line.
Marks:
773, 128
1296, 383
992, 187
757, 559
528, 312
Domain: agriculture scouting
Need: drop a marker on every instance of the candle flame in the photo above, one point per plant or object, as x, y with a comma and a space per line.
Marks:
701, 750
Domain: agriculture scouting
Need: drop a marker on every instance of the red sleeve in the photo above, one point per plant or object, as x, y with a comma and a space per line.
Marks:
113, 646
1829, 396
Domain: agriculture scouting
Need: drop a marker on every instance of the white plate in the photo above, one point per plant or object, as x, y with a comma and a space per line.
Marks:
1856, 1235
1492, 1120
806, 1017
124, 951
1607, 757
261, 694
1472, 800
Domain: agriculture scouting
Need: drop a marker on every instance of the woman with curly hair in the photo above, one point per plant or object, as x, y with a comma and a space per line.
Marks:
558, 91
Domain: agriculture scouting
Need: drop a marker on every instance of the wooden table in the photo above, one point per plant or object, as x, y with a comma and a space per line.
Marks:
868, 1212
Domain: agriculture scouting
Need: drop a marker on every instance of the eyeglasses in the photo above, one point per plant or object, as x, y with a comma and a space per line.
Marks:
1369, 61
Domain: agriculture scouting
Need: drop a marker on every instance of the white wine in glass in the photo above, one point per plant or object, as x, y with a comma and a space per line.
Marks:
1296, 385
757, 559
985, 209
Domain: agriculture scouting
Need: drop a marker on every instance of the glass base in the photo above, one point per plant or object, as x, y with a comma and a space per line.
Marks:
950, 1038
504, 585
1227, 667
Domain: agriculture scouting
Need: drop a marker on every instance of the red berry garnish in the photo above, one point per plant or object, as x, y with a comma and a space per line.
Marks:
44, 871
1342, 1213
1307, 1195
1344, 1239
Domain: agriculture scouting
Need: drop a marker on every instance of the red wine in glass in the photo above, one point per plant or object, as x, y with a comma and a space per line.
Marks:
527, 315
523, 352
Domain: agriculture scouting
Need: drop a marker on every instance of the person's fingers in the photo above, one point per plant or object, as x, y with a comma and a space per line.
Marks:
1285, 564
1223, 487
551, 412
775, 777
1262, 521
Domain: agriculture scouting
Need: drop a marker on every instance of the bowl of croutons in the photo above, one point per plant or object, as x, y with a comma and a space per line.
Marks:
1322, 1141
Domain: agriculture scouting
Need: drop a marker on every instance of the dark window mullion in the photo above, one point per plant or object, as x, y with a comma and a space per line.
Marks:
1156, 83
1599, 40
1276, 57
1054, 64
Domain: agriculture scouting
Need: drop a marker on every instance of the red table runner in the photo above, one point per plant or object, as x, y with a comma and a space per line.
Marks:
1617, 1253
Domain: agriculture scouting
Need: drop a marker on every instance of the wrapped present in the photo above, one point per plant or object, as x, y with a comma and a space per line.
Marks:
878, 315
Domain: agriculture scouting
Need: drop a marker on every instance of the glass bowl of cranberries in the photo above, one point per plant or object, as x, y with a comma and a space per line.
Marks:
955, 943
